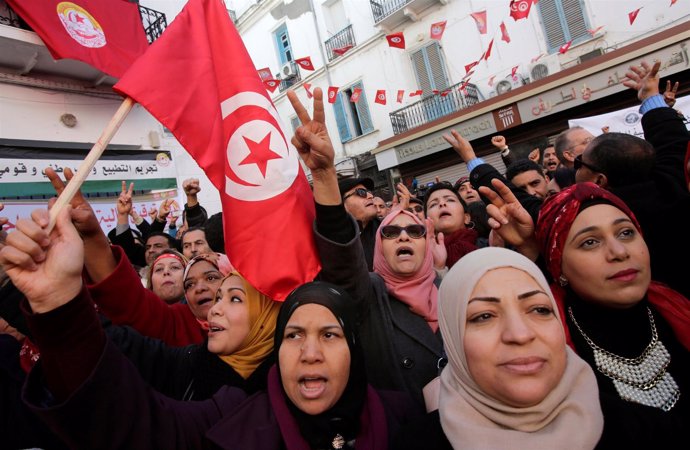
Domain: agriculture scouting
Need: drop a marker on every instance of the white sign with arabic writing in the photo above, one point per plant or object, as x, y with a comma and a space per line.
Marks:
32, 170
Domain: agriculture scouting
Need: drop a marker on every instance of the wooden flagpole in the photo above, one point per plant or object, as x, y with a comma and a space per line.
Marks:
90, 161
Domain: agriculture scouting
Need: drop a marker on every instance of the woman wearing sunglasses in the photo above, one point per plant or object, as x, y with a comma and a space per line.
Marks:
396, 304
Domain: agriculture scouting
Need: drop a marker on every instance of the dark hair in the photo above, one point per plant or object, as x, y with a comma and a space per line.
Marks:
521, 166
214, 233
480, 218
562, 142
564, 177
194, 229
172, 242
437, 187
624, 159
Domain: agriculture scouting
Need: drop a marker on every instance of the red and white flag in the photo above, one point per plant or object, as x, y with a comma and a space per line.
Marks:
469, 66
480, 20
271, 85
519, 9
463, 87
342, 50
504, 33
491, 80
445, 93
437, 30
513, 71
487, 53
380, 97
595, 30
416, 93
107, 35
564, 48
401, 94
305, 63
467, 75
307, 87
265, 74
633, 15
673, 2
332, 94
396, 40
356, 93
222, 116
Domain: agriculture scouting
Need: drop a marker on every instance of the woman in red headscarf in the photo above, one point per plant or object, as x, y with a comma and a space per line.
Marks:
633, 331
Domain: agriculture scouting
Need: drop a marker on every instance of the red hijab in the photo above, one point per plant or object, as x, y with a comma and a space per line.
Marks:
418, 290
555, 219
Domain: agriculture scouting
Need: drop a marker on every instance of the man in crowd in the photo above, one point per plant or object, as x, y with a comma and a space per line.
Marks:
194, 242
382, 209
465, 190
528, 175
359, 202
571, 143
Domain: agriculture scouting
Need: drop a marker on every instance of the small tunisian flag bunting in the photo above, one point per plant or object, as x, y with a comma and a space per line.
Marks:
307, 87
491, 80
271, 85
513, 71
401, 94
673, 2
437, 30
356, 92
342, 50
564, 48
504, 33
463, 87
633, 15
107, 35
416, 93
595, 31
467, 75
519, 9
487, 53
332, 94
469, 66
444, 93
536, 58
222, 116
396, 40
480, 20
305, 63
265, 74
380, 97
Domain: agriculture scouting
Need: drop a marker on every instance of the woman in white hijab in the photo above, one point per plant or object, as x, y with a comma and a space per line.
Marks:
511, 382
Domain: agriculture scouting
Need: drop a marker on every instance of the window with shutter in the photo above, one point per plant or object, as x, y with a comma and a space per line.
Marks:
430, 68
563, 21
362, 108
353, 118
283, 44
341, 118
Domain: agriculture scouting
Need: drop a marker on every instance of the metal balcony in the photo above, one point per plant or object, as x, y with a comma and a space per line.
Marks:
342, 40
285, 83
433, 107
391, 13
154, 21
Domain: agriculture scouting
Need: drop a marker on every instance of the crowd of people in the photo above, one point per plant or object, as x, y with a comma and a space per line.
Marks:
537, 308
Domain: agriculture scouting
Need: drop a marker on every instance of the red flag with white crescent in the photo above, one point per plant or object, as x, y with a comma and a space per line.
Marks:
271, 85
305, 63
480, 20
519, 9
416, 93
401, 94
396, 40
107, 35
380, 97
332, 94
504, 33
340, 51
469, 66
437, 30
356, 93
307, 87
487, 53
265, 73
222, 115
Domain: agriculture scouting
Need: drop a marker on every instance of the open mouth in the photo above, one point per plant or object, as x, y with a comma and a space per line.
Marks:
404, 251
204, 301
444, 214
312, 386
214, 328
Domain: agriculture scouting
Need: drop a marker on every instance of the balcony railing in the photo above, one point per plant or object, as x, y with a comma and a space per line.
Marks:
434, 106
154, 21
384, 8
339, 43
287, 82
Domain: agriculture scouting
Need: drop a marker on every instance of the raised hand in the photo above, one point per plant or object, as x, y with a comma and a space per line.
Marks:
164, 209
644, 79
509, 219
191, 186
438, 247
124, 201
46, 268
83, 217
403, 195
461, 145
499, 142
311, 139
670, 93
534, 155
153, 213
3, 221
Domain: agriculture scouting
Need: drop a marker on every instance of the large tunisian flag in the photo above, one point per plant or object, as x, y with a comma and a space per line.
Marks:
105, 34
199, 81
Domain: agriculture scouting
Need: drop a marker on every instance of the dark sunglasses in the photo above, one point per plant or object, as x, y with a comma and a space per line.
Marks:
578, 163
414, 231
415, 209
360, 192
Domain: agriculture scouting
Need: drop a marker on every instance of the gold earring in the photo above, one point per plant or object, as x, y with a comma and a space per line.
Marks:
563, 281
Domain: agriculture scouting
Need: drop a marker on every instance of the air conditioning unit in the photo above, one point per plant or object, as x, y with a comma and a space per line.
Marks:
288, 70
509, 83
546, 66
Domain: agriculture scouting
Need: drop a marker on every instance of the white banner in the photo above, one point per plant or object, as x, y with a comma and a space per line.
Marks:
32, 170
627, 120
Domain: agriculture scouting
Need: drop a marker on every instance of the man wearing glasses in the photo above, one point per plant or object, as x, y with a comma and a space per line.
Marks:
570, 143
359, 202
